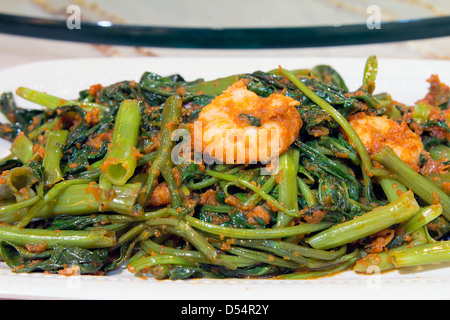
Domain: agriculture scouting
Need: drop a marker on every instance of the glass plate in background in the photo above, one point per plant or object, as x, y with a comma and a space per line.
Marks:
238, 24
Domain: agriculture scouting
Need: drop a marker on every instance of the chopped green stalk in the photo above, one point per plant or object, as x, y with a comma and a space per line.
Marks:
440, 151
287, 190
422, 218
171, 116
290, 250
420, 255
392, 188
210, 181
161, 213
150, 246
48, 197
266, 187
421, 113
367, 189
22, 148
280, 206
53, 154
412, 180
148, 262
175, 192
213, 87
301, 229
95, 172
307, 193
261, 256
171, 123
351, 258
362, 226
313, 253
382, 261
16, 181
89, 198
372, 263
41, 98
52, 238
295, 72
197, 240
223, 208
183, 228
370, 74
279, 250
137, 256
122, 155
12, 213
49, 125
131, 234
52, 102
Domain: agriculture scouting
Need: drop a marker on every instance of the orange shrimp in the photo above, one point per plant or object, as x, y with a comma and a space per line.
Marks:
377, 132
239, 126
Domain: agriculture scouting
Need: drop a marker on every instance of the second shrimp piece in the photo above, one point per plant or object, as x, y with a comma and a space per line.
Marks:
377, 132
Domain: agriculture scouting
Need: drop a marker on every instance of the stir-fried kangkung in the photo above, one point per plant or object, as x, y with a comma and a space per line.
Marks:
283, 174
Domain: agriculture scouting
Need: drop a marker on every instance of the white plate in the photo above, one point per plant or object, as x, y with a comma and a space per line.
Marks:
404, 79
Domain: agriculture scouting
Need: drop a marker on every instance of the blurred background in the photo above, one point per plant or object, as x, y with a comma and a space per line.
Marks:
36, 30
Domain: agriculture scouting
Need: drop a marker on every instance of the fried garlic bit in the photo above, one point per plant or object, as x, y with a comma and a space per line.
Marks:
239, 126
377, 132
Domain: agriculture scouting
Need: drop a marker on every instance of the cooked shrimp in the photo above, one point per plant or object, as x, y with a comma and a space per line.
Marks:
239, 126
377, 132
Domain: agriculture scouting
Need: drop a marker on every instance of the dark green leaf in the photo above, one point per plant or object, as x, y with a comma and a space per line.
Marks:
330, 76
251, 120
67, 222
61, 257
